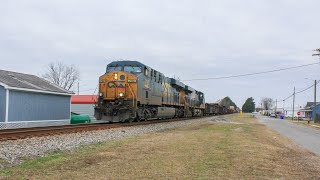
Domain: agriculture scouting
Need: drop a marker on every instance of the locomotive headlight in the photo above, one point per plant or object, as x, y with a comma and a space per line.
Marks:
115, 76
121, 94
100, 94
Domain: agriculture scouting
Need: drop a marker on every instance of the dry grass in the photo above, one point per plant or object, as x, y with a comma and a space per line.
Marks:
305, 123
202, 151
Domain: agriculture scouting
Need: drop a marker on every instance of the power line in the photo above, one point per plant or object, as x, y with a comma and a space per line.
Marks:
288, 97
307, 88
251, 74
301, 91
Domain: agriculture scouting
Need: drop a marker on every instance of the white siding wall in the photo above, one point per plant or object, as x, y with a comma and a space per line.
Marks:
289, 113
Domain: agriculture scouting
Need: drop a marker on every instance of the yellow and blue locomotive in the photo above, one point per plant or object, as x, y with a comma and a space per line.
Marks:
132, 91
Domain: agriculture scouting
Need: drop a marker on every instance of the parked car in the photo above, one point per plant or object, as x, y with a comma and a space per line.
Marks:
273, 115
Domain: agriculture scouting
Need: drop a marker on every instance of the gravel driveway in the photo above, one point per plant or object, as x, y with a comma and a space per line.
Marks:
308, 138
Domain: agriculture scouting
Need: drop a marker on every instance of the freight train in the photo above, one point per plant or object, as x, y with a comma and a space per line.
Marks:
217, 109
132, 91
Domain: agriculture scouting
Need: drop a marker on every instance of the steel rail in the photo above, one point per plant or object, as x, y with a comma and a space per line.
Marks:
22, 133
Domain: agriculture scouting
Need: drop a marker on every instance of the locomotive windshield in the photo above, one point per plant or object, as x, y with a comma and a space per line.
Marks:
128, 69
114, 68
132, 69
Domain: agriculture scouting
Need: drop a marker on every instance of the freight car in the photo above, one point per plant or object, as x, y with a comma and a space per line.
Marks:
223, 110
217, 109
212, 109
132, 91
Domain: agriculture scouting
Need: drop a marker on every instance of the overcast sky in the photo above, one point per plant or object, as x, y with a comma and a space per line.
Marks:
185, 39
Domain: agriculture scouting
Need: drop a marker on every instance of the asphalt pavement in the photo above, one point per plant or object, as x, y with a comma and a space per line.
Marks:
307, 137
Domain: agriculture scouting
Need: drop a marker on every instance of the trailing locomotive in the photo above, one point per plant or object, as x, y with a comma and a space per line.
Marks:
130, 90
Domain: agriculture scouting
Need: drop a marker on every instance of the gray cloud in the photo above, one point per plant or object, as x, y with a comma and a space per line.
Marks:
185, 39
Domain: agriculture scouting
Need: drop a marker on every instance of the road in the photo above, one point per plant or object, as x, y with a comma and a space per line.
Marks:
308, 138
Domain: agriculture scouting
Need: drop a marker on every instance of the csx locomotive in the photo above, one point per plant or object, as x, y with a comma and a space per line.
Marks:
132, 91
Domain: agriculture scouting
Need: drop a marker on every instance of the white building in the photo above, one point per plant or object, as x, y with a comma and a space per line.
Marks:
288, 111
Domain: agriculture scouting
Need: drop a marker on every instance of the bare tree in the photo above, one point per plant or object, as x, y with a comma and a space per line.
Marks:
267, 103
61, 74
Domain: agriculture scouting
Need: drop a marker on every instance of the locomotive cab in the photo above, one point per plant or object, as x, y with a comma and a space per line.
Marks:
118, 91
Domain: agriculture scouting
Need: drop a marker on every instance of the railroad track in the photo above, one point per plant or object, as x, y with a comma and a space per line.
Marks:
22, 133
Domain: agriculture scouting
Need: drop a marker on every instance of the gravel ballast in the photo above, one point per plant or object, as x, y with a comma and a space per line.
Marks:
13, 151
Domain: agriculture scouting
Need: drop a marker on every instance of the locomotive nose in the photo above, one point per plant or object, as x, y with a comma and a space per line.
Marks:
115, 90
117, 85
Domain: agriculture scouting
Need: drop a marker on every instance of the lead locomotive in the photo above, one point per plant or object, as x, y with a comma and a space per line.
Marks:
130, 90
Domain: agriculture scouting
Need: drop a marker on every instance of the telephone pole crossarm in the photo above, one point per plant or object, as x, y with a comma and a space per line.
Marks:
317, 52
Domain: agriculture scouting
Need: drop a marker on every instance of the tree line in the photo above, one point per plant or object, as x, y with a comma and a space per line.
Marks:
249, 106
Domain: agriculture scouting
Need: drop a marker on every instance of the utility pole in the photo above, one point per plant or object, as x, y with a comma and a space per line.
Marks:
294, 97
276, 107
315, 102
78, 88
315, 91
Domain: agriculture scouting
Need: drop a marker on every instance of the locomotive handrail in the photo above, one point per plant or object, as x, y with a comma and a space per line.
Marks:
133, 95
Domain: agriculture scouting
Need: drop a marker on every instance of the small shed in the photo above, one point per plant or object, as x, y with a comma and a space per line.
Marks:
84, 104
29, 101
